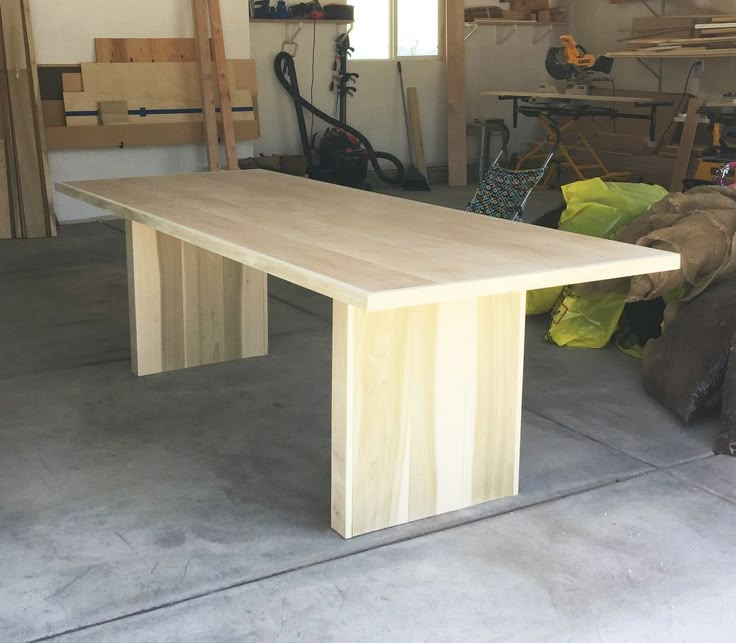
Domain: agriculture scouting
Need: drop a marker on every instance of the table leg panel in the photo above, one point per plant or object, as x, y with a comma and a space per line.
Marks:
191, 307
426, 409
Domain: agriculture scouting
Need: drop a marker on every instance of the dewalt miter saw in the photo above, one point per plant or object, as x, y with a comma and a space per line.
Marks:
575, 65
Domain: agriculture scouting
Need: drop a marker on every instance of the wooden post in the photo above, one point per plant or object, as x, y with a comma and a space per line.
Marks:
687, 141
24, 133
457, 146
223, 83
415, 124
204, 56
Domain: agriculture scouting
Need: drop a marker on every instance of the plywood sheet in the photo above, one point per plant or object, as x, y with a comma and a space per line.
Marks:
82, 108
6, 224
153, 86
145, 50
370, 250
61, 137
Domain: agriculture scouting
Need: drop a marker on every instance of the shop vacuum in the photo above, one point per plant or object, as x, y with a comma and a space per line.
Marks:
343, 153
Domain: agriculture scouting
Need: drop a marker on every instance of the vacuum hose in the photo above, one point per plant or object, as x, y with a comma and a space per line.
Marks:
286, 74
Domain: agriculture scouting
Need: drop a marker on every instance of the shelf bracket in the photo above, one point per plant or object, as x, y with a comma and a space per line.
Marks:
512, 30
650, 69
473, 29
548, 29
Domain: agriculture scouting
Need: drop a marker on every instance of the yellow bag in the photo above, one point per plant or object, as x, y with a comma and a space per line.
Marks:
585, 322
541, 301
599, 209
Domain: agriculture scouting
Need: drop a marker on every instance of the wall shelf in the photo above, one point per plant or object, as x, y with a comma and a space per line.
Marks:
514, 24
296, 21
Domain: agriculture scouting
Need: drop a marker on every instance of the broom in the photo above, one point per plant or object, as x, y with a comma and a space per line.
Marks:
414, 180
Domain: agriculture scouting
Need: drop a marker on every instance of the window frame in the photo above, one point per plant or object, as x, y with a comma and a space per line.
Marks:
393, 44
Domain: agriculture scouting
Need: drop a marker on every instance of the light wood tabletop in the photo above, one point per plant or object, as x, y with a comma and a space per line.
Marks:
369, 250
428, 318
601, 98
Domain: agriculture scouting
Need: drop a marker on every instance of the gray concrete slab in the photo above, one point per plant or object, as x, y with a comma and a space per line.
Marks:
638, 561
65, 301
599, 393
122, 493
716, 474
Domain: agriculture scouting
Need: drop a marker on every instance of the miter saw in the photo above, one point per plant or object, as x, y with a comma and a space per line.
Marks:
572, 63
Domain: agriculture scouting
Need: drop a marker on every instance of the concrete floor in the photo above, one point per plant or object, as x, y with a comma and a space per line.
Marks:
194, 506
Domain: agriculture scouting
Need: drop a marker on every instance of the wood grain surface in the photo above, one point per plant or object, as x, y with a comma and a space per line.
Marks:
370, 250
426, 409
190, 307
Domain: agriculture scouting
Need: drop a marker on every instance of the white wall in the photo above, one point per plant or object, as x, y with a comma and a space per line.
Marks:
376, 110
64, 32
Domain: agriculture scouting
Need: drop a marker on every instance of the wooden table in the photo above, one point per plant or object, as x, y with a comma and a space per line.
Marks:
428, 327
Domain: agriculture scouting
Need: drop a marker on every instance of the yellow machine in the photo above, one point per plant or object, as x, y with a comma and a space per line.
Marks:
575, 54
573, 63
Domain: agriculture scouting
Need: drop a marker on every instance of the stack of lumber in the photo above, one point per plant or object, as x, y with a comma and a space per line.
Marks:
141, 91
681, 37
26, 208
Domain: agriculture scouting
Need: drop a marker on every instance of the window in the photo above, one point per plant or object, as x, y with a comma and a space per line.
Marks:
386, 29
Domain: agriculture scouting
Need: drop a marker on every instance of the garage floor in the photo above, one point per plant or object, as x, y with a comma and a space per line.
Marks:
194, 506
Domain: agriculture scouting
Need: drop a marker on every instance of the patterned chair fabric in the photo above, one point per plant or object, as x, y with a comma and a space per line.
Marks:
502, 192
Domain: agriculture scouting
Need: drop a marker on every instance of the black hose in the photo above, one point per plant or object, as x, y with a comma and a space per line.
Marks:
286, 74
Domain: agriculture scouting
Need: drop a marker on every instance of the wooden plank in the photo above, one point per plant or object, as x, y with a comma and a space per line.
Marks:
82, 108
33, 197
6, 215
145, 50
42, 146
118, 50
603, 98
149, 85
415, 124
380, 253
426, 410
683, 41
183, 311
687, 140
223, 84
207, 81
457, 144
72, 83
682, 53
9, 149
100, 137
113, 112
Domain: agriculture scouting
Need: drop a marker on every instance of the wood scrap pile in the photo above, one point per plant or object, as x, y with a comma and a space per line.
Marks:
26, 208
153, 72
681, 37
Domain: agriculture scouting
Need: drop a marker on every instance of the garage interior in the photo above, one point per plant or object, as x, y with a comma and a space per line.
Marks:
195, 503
